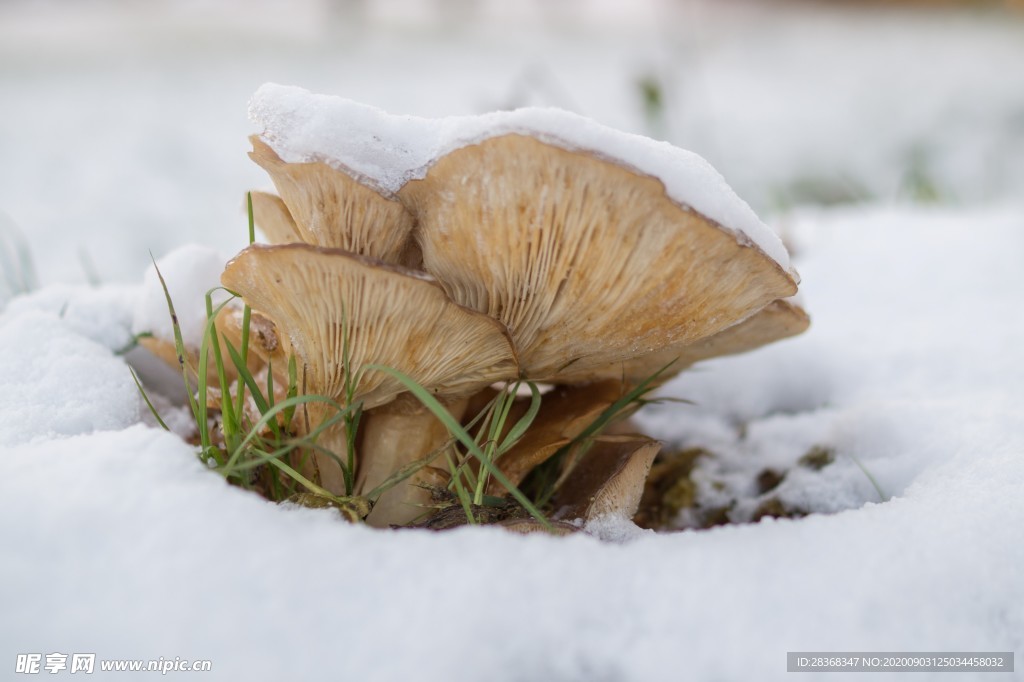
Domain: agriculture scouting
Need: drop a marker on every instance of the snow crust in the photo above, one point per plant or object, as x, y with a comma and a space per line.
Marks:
389, 150
122, 542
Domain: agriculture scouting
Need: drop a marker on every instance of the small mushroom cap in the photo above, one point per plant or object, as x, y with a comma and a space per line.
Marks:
393, 317
266, 347
587, 262
778, 320
331, 208
608, 480
273, 219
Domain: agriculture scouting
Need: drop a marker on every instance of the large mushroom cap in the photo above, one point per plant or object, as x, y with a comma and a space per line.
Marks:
776, 321
331, 208
321, 299
587, 262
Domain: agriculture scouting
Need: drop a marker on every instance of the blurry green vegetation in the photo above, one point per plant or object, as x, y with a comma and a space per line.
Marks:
652, 96
17, 271
918, 183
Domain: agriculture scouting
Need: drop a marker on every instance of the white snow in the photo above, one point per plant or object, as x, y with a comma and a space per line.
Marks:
57, 382
120, 139
389, 150
189, 273
101, 313
122, 543
790, 102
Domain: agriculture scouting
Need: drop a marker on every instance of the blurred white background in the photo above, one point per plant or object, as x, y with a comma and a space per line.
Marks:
123, 122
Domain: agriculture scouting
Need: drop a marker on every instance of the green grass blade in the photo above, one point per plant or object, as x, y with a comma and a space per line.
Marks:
621, 404
271, 414
634, 396
882, 497
246, 311
149, 404
270, 384
252, 218
520, 428
198, 406
465, 499
293, 390
230, 423
254, 389
312, 487
246, 315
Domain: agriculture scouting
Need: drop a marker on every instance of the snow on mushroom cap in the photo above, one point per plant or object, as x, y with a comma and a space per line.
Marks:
388, 151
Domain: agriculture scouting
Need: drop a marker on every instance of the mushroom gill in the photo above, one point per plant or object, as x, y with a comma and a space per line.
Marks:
333, 209
587, 262
340, 312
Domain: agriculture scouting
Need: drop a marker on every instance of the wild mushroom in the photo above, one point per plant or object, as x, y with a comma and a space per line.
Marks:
591, 255
587, 262
331, 208
341, 312
608, 480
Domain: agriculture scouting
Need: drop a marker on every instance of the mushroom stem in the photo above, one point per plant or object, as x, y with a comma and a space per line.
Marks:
392, 437
331, 450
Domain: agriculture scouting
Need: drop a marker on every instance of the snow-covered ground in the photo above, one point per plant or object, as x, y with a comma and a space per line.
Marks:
120, 543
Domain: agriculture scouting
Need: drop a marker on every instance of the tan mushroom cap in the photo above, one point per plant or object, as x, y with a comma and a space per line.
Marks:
608, 480
778, 320
266, 347
394, 317
330, 208
585, 261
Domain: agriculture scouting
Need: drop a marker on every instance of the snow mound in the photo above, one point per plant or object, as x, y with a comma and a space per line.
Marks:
389, 150
102, 314
189, 271
58, 382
